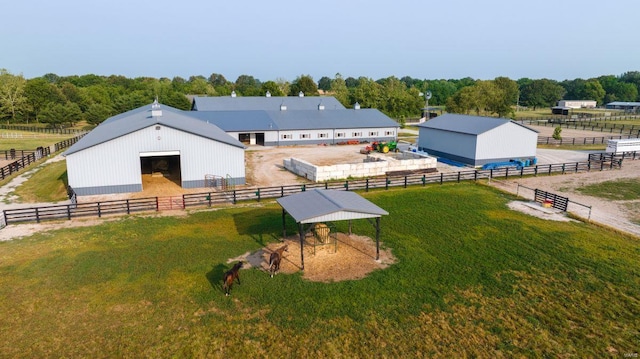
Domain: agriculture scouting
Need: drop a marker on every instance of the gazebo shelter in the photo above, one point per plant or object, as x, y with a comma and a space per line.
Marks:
318, 205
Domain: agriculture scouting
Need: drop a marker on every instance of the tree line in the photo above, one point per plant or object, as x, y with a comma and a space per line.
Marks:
64, 100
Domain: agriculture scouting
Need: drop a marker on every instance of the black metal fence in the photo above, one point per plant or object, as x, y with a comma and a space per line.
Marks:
211, 198
599, 125
29, 157
27, 128
581, 140
555, 201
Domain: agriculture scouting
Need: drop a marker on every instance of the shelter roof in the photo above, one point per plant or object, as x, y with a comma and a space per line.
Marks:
149, 115
320, 205
473, 125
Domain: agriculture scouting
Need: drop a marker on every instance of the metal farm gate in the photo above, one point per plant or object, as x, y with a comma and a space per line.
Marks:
557, 202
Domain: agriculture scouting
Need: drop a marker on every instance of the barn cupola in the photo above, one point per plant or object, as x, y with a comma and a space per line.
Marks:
233, 94
320, 106
300, 94
155, 109
356, 106
283, 107
268, 94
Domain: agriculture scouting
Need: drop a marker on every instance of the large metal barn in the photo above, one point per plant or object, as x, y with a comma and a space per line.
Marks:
157, 140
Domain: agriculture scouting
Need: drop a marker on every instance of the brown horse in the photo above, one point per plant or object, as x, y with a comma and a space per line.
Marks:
275, 258
229, 276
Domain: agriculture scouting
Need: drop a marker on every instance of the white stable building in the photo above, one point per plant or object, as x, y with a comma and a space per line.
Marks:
477, 140
294, 120
153, 139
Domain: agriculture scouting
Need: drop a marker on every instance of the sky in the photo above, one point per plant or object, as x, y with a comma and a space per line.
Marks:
286, 39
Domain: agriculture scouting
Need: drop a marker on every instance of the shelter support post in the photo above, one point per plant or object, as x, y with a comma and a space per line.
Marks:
284, 225
378, 238
350, 227
301, 230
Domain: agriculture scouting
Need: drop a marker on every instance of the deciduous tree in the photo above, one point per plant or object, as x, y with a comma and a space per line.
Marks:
12, 98
304, 84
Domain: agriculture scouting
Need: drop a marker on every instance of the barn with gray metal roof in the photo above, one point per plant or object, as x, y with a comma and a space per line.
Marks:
152, 140
477, 140
313, 120
252, 103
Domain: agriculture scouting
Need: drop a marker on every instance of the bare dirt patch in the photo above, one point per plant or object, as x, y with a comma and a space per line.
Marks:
353, 258
265, 164
616, 214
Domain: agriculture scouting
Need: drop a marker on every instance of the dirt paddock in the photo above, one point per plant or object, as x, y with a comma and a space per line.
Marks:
354, 257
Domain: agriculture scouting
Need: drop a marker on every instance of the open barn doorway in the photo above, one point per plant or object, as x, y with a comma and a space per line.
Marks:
160, 170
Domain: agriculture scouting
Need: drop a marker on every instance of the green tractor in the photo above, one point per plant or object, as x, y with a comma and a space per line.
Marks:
382, 147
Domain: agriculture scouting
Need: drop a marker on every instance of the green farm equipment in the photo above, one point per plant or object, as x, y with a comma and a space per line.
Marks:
382, 147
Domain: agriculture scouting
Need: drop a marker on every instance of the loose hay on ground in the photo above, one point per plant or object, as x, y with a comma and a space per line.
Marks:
354, 258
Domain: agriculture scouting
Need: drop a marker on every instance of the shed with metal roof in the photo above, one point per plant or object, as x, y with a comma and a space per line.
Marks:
477, 140
316, 206
152, 140
625, 106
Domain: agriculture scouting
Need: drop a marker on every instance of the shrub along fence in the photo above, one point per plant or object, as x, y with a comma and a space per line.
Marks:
208, 199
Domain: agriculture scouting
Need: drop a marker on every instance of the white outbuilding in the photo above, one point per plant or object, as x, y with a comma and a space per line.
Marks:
155, 140
477, 140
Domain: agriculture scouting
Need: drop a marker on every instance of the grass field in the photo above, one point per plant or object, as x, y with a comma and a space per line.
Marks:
23, 140
472, 279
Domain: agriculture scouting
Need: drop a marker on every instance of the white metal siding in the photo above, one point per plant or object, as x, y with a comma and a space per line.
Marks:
333, 137
117, 162
508, 141
269, 136
455, 143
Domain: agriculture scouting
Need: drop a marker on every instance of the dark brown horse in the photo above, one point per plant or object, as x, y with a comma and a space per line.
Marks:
229, 276
275, 258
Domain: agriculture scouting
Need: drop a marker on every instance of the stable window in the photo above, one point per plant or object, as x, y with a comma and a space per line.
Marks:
287, 136
389, 133
339, 134
373, 133
305, 135
356, 134
323, 135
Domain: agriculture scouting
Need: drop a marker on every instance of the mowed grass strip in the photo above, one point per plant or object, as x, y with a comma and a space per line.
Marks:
47, 184
472, 278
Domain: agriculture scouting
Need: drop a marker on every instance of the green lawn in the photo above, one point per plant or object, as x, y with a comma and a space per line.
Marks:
48, 184
472, 279
23, 140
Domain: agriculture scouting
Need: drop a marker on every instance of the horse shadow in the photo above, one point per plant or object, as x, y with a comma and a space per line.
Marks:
214, 276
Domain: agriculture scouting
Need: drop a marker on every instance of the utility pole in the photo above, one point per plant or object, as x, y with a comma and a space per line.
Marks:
427, 96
